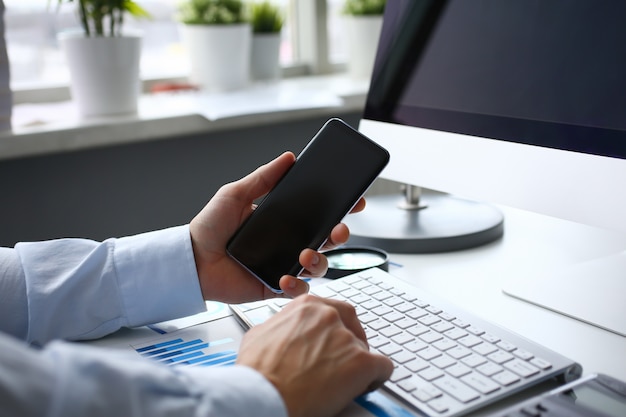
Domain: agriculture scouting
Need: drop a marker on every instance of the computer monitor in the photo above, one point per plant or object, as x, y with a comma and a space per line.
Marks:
516, 102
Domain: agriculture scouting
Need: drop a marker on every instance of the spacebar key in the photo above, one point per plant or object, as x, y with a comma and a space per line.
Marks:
456, 388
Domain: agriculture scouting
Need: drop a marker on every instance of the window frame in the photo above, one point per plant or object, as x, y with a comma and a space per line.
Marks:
309, 39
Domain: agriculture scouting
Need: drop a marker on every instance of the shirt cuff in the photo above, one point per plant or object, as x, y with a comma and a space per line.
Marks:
157, 276
237, 391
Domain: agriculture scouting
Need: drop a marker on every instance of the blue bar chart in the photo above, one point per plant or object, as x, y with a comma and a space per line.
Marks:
188, 348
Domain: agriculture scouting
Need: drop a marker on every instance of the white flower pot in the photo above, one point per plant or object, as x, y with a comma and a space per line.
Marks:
104, 73
219, 55
265, 64
362, 33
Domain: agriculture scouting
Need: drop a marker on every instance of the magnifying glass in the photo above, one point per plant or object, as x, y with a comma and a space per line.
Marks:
350, 259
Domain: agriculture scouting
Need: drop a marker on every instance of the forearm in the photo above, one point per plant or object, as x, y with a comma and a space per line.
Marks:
81, 289
65, 379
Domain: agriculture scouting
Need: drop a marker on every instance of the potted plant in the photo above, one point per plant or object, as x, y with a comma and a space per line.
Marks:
103, 59
363, 23
267, 22
217, 35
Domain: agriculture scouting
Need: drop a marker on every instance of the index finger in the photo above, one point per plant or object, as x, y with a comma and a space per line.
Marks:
348, 316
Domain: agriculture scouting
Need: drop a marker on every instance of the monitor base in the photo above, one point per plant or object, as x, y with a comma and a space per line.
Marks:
443, 224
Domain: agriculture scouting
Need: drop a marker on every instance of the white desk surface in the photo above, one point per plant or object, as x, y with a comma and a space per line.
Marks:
473, 279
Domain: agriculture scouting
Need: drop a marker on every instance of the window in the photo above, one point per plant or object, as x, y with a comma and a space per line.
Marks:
37, 62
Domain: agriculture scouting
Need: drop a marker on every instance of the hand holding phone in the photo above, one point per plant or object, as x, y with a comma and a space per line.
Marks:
328, 178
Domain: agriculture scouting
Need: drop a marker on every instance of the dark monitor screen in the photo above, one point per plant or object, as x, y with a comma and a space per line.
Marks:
548, 73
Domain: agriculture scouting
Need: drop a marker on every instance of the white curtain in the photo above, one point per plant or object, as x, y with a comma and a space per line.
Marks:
6, 99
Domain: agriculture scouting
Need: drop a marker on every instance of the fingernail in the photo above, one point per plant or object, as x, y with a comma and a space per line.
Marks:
316, 260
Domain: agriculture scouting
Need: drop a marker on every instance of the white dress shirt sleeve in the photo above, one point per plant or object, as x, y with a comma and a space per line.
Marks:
77, 289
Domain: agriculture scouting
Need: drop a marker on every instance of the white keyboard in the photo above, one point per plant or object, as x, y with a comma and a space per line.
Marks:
447, 363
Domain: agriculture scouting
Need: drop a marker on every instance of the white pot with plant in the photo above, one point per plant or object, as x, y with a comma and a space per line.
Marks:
363, 23
267, 23
217, 36
103, 60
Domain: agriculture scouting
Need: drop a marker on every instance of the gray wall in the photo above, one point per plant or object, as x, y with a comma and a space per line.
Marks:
120, 190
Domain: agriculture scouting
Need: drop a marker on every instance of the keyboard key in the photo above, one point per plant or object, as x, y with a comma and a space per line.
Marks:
390, 331
521, 368
371, 290
415, 345
540, 363
428, 353
399, 373
351, 293
523, 354
402, 338
408, 384
469, 340
489, 368
338, 286
480, 383
382, 295
403, 357
381, 310
393, 316
417, 365
442, 326
490, 338
418, 329
404, 307
431, 390
420, 303
430, 336
505, 378
429, 319
447, 316
456, 389
393, 301
405, 323
389, 349
474, 330
459, 352
416, 313
443, 361
439, 405
359, 284
367, 317
485, 348
460, 323
378, 341
378, 324
431, 373
458, 370
506, 346
370, 304
455, 333
473, 360
396, 291
444, 344
353, 279
433, 309
500, 356
359, 299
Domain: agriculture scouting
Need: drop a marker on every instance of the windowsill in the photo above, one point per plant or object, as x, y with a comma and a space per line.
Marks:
56, 127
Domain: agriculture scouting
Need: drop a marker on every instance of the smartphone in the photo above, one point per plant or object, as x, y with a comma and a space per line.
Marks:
326, 181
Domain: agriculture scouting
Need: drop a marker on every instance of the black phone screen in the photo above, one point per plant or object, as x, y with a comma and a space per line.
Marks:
329, 176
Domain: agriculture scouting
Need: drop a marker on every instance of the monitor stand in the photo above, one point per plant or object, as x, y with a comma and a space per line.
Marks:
591, 291
423, 222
